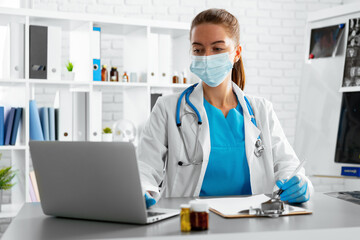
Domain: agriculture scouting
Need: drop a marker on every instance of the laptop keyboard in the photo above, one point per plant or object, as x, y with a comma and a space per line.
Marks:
153, 214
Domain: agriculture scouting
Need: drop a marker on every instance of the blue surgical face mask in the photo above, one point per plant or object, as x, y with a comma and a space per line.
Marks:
211, 69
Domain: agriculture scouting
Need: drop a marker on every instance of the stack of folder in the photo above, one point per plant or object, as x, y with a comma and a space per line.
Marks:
42, 123
9, 125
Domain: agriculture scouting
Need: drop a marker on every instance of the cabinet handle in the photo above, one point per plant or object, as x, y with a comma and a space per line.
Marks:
95, 133
164, 74
66, 134
53, 70
152, 74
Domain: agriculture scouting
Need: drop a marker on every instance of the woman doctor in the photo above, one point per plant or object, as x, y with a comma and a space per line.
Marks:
229, 153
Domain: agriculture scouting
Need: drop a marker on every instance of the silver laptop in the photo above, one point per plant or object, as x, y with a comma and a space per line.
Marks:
92, 180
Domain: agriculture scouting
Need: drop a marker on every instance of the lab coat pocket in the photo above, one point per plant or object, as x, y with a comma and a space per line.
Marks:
186, 175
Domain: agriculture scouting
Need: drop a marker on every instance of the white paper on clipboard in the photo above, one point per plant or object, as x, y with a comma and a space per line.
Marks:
232, 206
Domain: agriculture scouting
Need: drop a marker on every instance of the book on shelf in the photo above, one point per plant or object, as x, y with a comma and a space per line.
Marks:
34, 185
9, 121
32, 191
15, 129
51, 124
35, 125
44, 119
1, 125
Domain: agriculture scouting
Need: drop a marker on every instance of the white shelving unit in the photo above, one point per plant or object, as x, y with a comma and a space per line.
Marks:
143, 54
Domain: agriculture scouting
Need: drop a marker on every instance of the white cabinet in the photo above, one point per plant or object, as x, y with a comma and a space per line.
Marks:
149, 51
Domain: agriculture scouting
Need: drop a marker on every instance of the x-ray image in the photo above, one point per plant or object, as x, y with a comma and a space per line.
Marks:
352, 61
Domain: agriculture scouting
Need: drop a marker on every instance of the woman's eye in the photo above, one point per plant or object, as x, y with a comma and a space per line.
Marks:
218, 49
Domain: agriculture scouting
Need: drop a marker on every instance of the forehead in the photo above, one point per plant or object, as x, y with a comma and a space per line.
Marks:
207, 33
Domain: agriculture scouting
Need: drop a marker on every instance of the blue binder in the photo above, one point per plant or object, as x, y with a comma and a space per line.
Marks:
2, 126
52, 124
44, 119
9, 125
95, 52
35, 125
15, 129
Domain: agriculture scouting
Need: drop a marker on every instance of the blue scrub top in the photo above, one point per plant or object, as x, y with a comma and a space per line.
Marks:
227, 172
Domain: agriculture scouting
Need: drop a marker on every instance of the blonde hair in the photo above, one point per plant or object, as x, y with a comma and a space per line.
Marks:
231, 25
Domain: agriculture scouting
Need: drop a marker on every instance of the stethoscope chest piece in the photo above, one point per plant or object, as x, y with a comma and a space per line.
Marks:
259, 148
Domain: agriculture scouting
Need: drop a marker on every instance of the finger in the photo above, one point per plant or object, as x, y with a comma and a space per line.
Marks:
294, 188
280, 183
294, 180
301, 199
149, 200
291, 190
300, 192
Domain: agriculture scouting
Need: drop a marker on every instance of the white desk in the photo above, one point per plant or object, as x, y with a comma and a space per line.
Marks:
332, 219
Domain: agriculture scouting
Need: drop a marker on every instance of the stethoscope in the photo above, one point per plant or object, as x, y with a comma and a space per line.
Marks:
259, 147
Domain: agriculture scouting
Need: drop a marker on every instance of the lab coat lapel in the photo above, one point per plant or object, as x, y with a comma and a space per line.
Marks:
251, 131
197, 99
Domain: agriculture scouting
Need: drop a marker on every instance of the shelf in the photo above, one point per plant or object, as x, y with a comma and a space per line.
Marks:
7, 147
12, 81
10, 210
120, 84
169, 85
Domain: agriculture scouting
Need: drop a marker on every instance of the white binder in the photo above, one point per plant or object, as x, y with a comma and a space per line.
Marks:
153, 56
94, 116
65, 132
4, 52
79, 116
54, 53
17, 45
165, 74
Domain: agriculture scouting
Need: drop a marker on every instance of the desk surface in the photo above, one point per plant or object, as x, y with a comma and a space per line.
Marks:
332, 217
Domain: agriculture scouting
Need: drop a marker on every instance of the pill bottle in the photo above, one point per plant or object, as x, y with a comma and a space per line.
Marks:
175, 78
199, 215
125, 77
114, 75
104, 73
185, 224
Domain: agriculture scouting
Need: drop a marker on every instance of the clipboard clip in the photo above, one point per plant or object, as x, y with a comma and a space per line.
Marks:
272, 208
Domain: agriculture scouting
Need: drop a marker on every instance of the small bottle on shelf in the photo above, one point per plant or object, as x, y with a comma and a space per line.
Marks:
125, 77
104, 74
114, 75
175, 78
184, 81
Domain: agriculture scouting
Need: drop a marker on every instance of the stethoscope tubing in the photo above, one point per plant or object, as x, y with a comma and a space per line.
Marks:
258, 145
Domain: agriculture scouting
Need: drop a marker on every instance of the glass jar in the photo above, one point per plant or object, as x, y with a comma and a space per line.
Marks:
199, 215
185, 224
114, 75
104, 74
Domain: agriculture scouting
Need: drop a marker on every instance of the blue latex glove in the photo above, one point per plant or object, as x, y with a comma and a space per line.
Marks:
149, 200
295, 190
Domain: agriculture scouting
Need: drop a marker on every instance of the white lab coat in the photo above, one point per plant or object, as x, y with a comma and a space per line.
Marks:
161, 147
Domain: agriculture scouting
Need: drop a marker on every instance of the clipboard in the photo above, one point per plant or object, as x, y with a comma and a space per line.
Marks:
290, 213
232, 207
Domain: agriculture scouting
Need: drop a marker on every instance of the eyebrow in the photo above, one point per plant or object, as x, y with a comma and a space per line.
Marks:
220, 41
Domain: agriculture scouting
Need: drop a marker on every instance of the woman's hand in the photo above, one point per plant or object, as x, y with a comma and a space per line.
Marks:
149, 200
295, 189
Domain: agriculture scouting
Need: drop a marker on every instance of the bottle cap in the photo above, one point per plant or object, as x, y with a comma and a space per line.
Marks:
197, 206
104, 66
185, 206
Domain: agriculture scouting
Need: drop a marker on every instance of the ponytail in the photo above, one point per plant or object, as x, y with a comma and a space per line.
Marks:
238, 74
